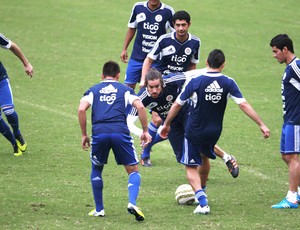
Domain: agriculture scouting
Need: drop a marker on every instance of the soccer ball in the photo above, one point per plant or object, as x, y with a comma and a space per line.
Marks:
185, 195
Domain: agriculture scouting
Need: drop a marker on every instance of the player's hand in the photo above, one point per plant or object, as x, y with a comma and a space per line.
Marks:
142, 84
85, 142
164, 131
145, 139
28, 69
265, 131
124, 56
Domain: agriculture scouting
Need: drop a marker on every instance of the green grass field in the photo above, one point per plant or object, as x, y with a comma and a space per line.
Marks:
67, 42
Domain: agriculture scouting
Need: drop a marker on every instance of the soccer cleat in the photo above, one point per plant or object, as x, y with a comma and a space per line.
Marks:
95, 213
285, 204
134, 210
202, 210
146, 162
17, 151
233, 167
21, 142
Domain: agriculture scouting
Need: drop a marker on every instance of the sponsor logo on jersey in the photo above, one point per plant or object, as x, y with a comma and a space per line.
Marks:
214, 92
179, 59
141, 17
153, 28
109, 94
152, 105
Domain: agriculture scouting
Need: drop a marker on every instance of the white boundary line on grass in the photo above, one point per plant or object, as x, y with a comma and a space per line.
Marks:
72, 116
45, 108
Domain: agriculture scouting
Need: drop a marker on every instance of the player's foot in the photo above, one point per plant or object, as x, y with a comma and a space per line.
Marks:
285, 204
146, 162
21, 142
202, 210
233, 167
134, 210
17, 151
95, 213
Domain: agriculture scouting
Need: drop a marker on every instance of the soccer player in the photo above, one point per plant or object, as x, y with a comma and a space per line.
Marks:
6, 99
149, 20
108, 101
159, 95
283, 51
176, 51
204, 123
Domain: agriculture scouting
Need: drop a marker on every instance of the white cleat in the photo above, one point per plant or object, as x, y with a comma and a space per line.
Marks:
95, 213
202, 210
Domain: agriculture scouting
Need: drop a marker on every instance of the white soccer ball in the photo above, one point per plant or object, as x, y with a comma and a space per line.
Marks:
185, 195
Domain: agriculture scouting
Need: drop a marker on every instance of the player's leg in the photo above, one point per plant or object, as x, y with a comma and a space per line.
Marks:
203, 171
192, 160
100, 148
289, 148
229, 160
152, 129
133, 73
6, 99
125, 154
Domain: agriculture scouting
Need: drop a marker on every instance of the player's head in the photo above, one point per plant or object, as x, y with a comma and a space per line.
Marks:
181, 23
181, 15
281, 46
154, 82
111, 69
153, 4
216, 59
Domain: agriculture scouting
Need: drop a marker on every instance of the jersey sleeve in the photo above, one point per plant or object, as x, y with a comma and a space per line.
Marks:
4, 42
89, 97
235, 93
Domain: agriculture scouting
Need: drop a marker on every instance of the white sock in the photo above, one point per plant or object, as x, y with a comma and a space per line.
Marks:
291, 196
226, 157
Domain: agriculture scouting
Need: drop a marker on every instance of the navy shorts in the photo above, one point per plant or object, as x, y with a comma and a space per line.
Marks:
290, 139
121, 145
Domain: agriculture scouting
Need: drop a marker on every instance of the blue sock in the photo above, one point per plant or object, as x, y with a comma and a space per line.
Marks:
5, 130
13, 120
152, 129
201, 196
97, 186
134, 182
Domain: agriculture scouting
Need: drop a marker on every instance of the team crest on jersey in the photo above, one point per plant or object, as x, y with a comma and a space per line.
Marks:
169, 98
158, 18
152, 105
188, 51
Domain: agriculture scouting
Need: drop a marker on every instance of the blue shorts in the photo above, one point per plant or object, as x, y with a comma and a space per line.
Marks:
134, 71
121, 145
192, 153
6, 96
290, 139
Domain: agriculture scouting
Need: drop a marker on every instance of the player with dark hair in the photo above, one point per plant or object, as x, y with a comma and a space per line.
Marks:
6, 99
159, 95
283, 51
149, 20
108, 101
174, 52
204, 123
